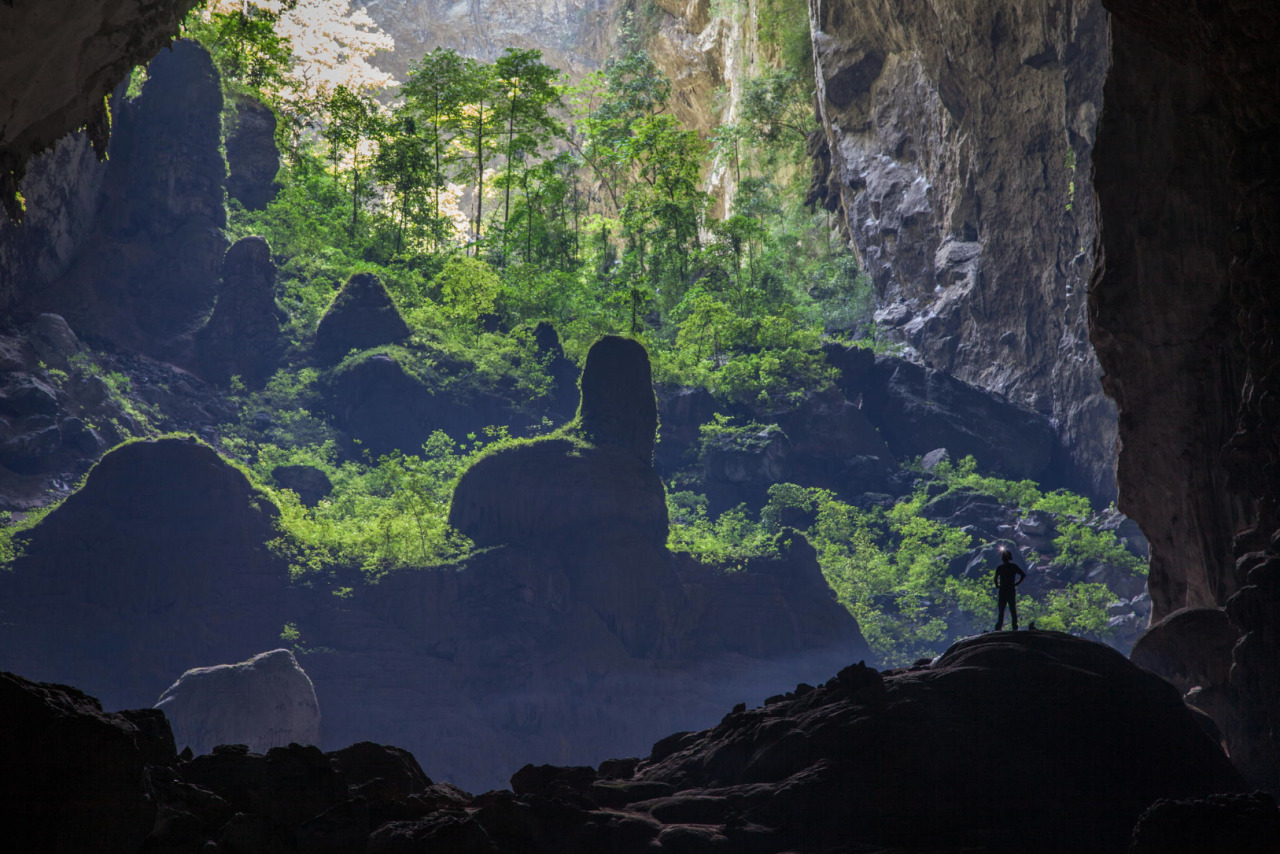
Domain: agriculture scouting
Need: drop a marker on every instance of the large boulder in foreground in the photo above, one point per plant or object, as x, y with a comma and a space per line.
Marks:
265, 702
156, 565
361, 316
71, 775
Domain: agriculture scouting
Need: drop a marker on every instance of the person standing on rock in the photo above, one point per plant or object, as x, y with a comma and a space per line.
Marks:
1008, 576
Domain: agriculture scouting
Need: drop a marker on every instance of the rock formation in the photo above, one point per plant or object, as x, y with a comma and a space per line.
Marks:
572, 34
387, 406
72, 778
919, 409
618, 408
265, 702
164, 546
148, 273
1183, 312
361, 316
960, 142
242, 337
999, 746
252, 157
58, 61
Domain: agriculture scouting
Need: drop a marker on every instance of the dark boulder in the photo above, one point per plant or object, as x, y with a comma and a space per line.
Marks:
72, 778
921, 765
242, 338
552, 490
618, 408
380, 768
1190, 648
286, 786
361, 316
919, 409
779, 605
563, 372
252, 157
310, 483
53, 340
1218, 824
375, 400
156, 565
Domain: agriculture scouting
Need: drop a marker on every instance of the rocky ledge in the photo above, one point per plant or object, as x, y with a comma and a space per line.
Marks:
1007, 742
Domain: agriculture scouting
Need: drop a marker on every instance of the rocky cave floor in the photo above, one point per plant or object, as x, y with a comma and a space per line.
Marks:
1013, 742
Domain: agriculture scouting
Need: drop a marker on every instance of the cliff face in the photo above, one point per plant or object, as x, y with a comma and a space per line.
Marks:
573, 35
1184, 311
58, 60
960, 136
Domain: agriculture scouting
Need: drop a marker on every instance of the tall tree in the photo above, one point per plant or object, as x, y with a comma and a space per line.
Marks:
436, 92
353, 129
479, 123
528, 88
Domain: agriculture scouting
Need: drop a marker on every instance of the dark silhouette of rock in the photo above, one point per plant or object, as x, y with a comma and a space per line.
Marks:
1191, 648
53, 340
242, 338
164, 548
1198, 462
1034, 720
618, 406
918, 409
563, 372
264, 702
311, 484
149, 272
1029, 741
376, 401
72, 776
1218, 824
362, 316
252, 157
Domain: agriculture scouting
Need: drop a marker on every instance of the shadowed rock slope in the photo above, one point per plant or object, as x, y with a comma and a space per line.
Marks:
1007, 743
155, 565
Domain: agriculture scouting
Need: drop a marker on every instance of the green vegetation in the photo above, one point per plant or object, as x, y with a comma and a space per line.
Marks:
489, 197
892, 567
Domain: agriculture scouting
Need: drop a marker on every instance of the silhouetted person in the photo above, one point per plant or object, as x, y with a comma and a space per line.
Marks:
1008, 576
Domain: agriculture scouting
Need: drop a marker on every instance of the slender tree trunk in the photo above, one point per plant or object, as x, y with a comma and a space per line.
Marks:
511, 135
479, 176
355, 197
435, 223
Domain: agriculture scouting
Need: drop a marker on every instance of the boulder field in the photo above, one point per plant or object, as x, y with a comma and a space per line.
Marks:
1014, 742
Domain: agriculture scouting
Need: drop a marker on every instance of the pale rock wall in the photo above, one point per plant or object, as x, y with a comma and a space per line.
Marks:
952, 125
573, 35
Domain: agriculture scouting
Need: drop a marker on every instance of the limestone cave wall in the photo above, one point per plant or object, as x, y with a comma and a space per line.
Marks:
959, 137
1183, 311
58, 61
